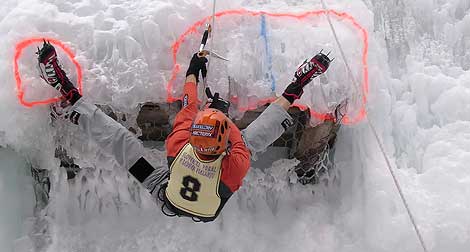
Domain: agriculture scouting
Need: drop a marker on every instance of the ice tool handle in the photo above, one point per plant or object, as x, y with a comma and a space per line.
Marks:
205, 36
216, 102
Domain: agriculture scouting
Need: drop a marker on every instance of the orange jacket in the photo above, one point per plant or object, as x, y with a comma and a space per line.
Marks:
235, 165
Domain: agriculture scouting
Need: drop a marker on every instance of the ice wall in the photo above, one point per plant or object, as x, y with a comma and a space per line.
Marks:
428, 50
16, 197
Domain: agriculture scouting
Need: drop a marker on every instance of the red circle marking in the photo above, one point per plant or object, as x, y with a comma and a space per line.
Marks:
19, 88
338, 15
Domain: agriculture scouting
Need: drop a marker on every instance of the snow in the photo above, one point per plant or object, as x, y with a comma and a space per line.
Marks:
419, 62
17, 197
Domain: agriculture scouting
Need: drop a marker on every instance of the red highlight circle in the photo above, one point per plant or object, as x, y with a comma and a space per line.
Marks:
338, 15
19, 88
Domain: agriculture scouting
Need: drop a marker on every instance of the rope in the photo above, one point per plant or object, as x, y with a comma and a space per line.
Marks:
212, 41
395, 180
374, 131
342, 52
204, 81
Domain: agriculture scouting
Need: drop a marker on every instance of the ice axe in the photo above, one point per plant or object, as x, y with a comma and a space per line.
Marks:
202, 52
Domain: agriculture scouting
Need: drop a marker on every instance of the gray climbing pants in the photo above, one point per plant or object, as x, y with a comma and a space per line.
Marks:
268, 127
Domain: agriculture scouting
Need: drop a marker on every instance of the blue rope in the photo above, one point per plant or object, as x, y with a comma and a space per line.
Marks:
269, 56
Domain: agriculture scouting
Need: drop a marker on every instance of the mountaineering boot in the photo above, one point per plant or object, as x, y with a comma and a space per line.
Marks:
52, 73
304, 74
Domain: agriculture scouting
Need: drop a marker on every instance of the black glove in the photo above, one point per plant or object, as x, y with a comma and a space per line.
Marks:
216, 102
198, 63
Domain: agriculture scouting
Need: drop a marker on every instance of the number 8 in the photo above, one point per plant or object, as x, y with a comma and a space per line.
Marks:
195, 187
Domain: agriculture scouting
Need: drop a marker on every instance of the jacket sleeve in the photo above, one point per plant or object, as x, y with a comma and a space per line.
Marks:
183, 120
235, 166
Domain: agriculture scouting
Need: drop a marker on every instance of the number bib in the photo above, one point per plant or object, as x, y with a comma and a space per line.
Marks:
194, 183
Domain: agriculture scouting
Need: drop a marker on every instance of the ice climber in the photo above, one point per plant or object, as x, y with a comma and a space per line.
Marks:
208, 156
